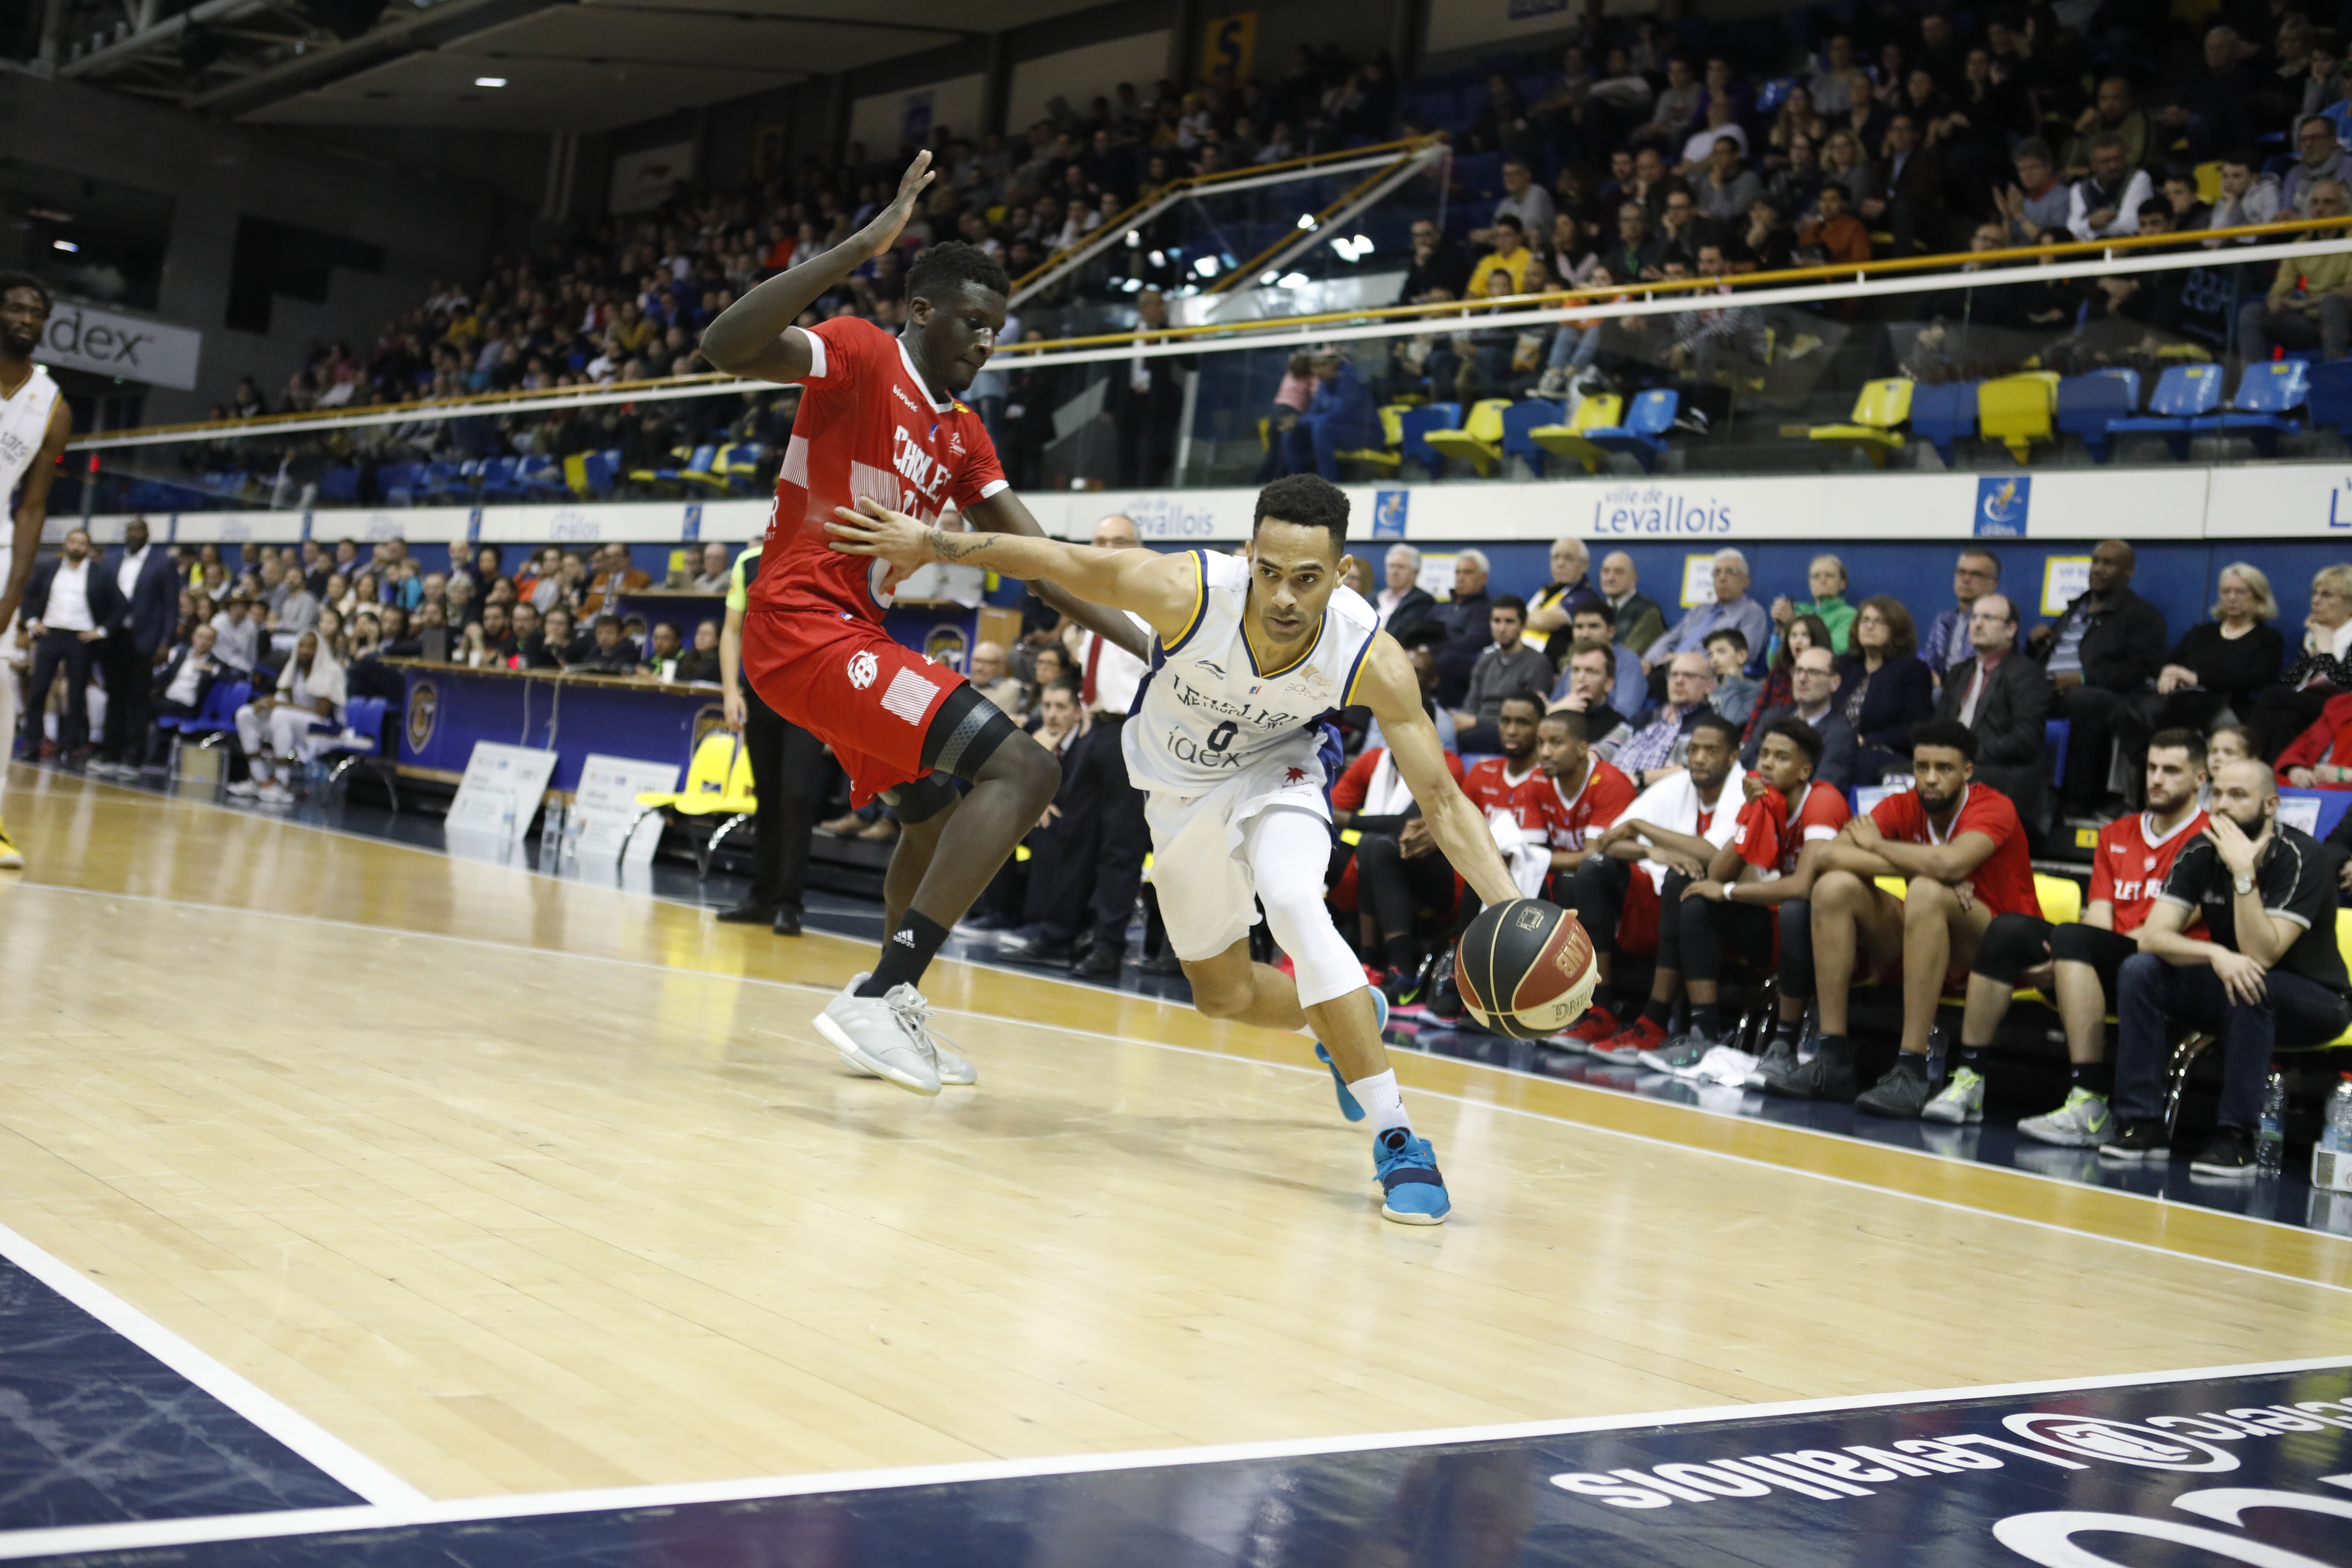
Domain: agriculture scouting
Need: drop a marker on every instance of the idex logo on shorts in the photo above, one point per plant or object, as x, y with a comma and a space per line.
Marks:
863, 668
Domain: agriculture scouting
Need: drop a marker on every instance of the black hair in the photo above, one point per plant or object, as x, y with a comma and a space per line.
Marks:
1601, 607
2155, 205
1425, 634
2188, 740
1799, 734
942, 267
1950, 733
1527, 694
13, 280
1729, 635
1576, 724
1511, 220
1510, 601
1307, 501
1711, 719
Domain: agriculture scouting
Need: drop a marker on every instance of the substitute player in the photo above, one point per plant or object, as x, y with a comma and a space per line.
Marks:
1227, 743
34, 424
880, 420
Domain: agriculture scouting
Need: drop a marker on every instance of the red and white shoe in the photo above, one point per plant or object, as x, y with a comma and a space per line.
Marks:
1628, 1043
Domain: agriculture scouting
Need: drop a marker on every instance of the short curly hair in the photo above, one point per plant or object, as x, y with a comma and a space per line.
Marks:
940, 267
1309, 501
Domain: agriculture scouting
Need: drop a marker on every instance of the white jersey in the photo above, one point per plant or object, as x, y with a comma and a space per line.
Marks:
24, 422
1208, 715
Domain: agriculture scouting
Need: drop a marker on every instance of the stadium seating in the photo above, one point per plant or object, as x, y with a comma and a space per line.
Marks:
2015, 411
399, 483
361, 745
1415, 426
1478, 440
2183, 393
1385, 457
2329, 398
2087, 404
1943, 416
1875, 427
1643, 435
2265, 394
1520, 422
1574, 439
340, 487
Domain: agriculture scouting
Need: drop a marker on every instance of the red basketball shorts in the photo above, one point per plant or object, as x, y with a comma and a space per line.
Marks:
847, 682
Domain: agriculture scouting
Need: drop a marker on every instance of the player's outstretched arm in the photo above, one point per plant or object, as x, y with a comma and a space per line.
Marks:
1387, 685
1006, 512
755, 336
1159, 588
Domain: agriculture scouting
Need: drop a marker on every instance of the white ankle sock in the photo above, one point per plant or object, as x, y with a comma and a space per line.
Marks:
1382, 1101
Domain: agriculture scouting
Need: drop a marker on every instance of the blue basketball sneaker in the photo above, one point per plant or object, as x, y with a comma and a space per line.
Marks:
1412, 1191
1348, 1107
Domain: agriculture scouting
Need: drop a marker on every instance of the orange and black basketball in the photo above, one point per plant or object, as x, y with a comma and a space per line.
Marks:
1525, 969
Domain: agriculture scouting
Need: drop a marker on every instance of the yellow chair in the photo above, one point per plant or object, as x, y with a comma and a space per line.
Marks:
1479, 441
1882, 407
2061, 904
2191, 1046
575, 473
1384, 457
2016, 410
719, 780
1601, 412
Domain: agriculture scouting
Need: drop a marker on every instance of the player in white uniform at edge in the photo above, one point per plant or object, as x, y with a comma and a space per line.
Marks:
1227, 741
34, 424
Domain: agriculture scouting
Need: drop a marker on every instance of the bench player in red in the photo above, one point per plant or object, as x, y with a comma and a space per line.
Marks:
880, 419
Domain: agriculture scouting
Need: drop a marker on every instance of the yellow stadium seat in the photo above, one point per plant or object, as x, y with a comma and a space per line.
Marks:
2015, 410
2061, 899
1479, 441
1601, 412
718, 781
1384, 458
1878, 410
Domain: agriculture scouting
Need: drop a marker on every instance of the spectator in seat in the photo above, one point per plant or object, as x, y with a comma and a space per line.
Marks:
1640, 621
1436, 265
1836, 236
2321, 160
2107, 201
2217, 664
1779, 690
995, 681
2113, 111
2003, 697
1943, 833
2077, 965
608, 653
1339, 418
700, 663
1636, 252
1912, 179
1404, 604
1732, 607
614, 576
1724, 187
1678, 825
2035, 206
1882, 687
1627, 689
709, 575
1522, 199
296, 725
1826, 577
1585, 690
1656, 750
1467, 631
1676, 109
664, 647
2216, 106
1507, 666
1813, 678
1509, 257
2323, 669
1951, 639
1405, 889
2108, 644
2267, 973
2310, 300
1762, 880
1735, 692
1555, 605
182, 686
2248, 196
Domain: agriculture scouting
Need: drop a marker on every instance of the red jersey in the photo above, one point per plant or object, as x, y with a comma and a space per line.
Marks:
1770, 841
1602, 798
1354, 788
1493, 788
2130, 865
2004, 881
867, 427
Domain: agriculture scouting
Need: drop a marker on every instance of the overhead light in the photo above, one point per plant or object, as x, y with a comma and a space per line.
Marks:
1134, 238
1266, 279
1363, 244
1206, 267
1294, 280
489, 81
1133, 285
1307, 220
1158, 259
48, 214
65, 245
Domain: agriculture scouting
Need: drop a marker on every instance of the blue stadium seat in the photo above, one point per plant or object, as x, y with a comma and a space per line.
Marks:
540, 477
2087, 404
498, 478
1479, 175
361, 743
1523, 416
2183, 393
2054, 733
1944, 415
340, 487
604, 469
2330, 397
2269, 389
441, 481
1643, 437
1415, 427
397, 483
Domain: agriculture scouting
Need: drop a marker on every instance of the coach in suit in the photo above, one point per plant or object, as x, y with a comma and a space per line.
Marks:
150, 591
69, 601
181, 686
2004, 698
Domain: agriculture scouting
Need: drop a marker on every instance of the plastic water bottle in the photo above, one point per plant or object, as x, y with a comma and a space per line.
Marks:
2331, 1161
574, 825
2270, 1139
550, 835
507, 834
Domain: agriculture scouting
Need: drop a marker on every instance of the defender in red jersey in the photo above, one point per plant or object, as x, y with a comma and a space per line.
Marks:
2077, 965
1960, 850
880, 420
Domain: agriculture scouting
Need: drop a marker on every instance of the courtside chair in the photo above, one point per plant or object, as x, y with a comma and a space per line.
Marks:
2015, 411
1479, 441
361, 745
1413, 429
2087, 404
1875, 428
1643, 435
2191, 1046
210, 722
2270, 390
1573, 440
718, 779
2183, 393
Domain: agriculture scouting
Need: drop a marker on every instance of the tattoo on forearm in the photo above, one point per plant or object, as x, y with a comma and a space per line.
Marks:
946, 546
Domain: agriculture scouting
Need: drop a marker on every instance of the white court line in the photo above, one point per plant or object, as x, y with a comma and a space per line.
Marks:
1317, 1071
62, 1538
273, 1415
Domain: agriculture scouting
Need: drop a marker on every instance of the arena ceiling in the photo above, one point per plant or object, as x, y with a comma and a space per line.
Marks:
567, 64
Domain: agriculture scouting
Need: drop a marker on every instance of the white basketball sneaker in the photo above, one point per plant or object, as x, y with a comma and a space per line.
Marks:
882, 1036
954, 1071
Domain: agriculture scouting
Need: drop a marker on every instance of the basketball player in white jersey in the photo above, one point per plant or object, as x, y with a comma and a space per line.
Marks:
34, 424
1227, 741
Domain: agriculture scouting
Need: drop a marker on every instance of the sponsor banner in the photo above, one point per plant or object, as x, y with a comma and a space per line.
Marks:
649, 176
85, 337
632, 523
500, 791
2281, 500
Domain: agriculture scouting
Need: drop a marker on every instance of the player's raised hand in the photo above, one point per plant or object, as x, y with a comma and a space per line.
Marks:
890, 222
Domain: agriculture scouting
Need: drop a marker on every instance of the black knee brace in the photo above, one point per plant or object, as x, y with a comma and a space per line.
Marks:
965, 734
2011, 946
922, 799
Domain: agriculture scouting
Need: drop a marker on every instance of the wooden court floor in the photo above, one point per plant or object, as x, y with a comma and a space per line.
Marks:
516, 1184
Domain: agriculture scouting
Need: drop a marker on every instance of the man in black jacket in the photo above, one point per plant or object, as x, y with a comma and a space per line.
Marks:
69, 604
150, 588
2004, 698
2108, 644
181, 686
1468, 630
1145, 402
1404, 604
